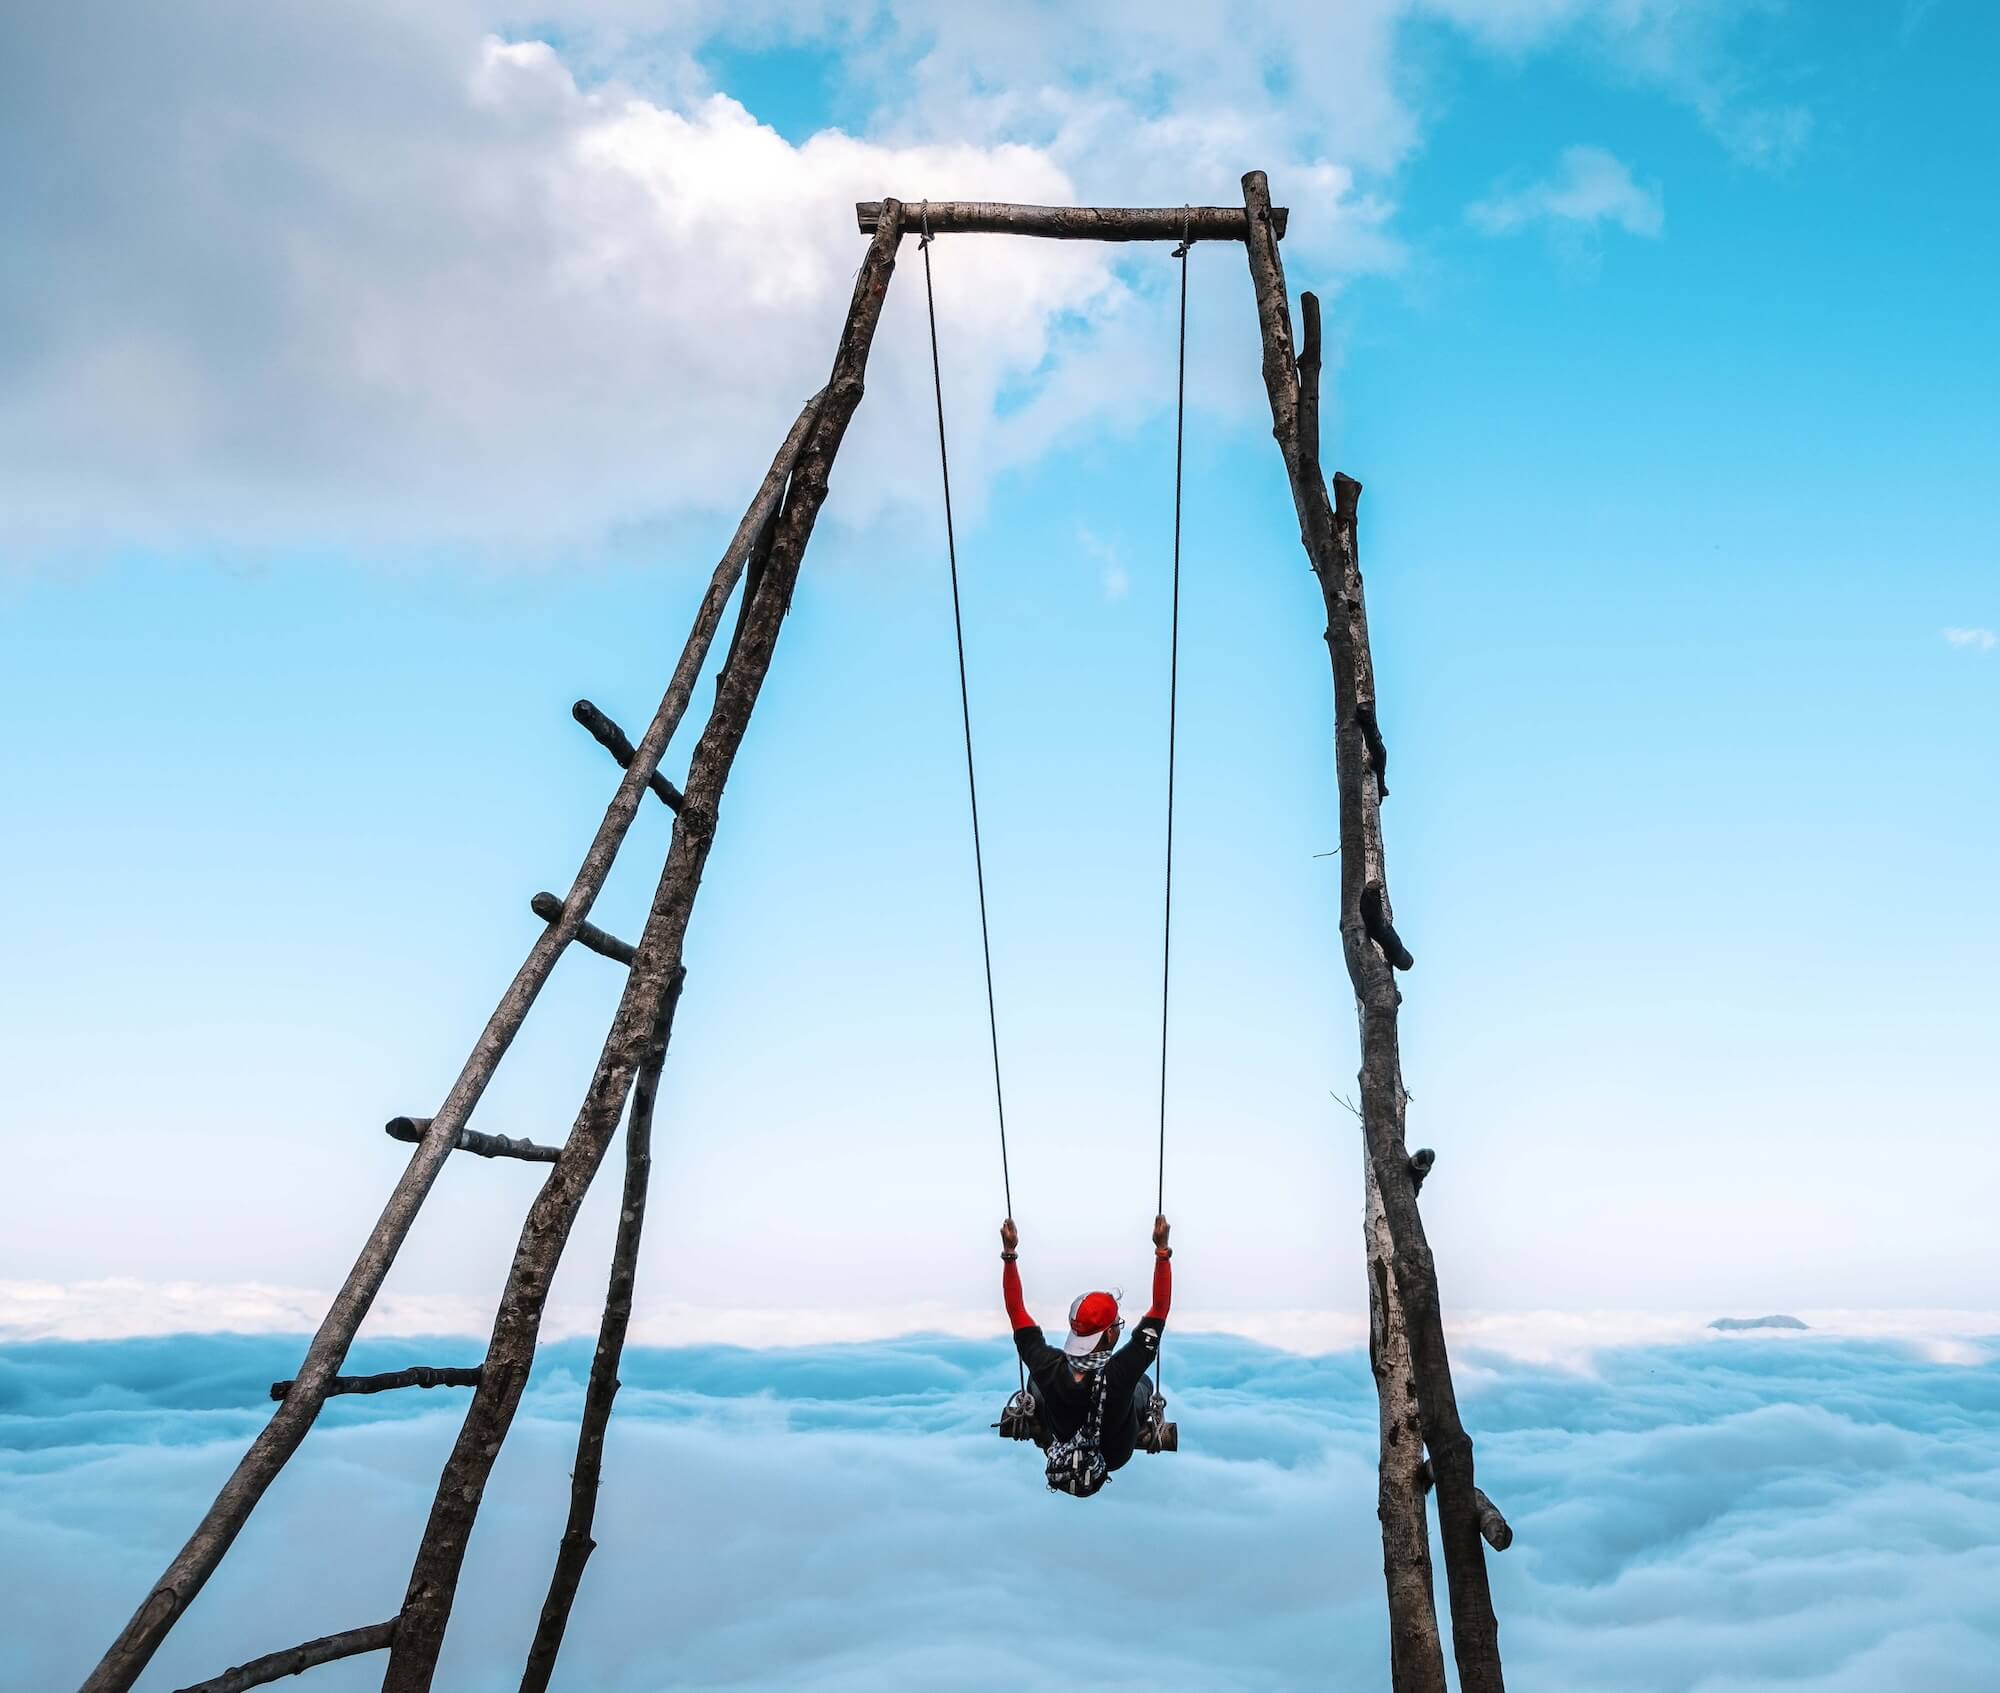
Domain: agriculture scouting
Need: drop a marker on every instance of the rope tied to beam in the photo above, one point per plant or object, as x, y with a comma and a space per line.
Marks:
1173, 714
965, 714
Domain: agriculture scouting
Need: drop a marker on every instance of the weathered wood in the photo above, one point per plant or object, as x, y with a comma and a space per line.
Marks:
753, 579
196, 1561
440, 1556
413, 1129
1327, 529
1380, 930
294, 1660
1069, 223
1493, 1527
549, 909
417, 1375
1309, 369
1420, 1167
599, 1393
612, 739
1371, 739
1416, 1652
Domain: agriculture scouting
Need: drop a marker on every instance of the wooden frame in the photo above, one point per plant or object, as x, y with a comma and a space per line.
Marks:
1412, 1372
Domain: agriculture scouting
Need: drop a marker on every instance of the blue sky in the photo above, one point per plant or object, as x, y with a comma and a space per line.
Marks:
377, 387
375, 381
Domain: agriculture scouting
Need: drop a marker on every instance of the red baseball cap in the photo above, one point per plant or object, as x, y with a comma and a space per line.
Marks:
1089, 1317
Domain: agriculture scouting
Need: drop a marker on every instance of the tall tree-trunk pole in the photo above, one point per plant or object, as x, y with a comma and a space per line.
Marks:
1372, 949
576, 1545
440, 1556
1416, 1654
197, 1560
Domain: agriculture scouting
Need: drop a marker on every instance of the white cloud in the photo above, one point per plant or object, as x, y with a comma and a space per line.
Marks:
460, 299
366, 279
1713, 1519
1981, 640
125, 1308
1590, 187
1112, 575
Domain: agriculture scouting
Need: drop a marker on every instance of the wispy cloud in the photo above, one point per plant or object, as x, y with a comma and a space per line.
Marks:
1112, 576
123, 1308
1590, 187
1981, 640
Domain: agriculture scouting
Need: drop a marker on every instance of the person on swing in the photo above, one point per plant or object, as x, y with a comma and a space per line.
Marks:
1063, 1376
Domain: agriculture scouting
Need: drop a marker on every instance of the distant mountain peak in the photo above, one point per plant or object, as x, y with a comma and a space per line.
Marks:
1779, 1321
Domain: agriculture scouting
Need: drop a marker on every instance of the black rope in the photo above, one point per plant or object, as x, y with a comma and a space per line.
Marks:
1173, 705
1173, 712
965, 713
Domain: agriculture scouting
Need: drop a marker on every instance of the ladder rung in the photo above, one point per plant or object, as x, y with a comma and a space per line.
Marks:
417, 1375
550, 909
413, 1129
275, 1666
615, 741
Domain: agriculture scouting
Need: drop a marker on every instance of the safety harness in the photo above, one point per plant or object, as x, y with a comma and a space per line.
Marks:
1076, 1464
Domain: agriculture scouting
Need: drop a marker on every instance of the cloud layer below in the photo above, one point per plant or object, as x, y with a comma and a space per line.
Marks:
1822, 1517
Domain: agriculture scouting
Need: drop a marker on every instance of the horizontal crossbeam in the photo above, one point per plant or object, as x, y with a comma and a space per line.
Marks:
413, 1129
417, 1375
1070, 223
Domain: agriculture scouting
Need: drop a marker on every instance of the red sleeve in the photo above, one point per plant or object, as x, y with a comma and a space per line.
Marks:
1010, 1288
1163, 1288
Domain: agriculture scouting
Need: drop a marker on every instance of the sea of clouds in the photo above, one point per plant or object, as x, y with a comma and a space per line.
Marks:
1814, 1513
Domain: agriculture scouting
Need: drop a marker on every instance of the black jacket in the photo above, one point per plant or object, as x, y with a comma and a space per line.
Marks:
1065, 1401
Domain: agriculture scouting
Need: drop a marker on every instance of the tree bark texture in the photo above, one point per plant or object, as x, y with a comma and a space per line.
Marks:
599, 1394
1416, 1652
471, 1140
295, 1660
196, 1561
1327, 528
434, 1574
1069, 223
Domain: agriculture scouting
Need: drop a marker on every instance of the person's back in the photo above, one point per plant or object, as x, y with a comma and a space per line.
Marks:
1067, 1378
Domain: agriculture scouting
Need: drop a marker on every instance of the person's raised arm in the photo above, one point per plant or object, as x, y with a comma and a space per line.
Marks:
1136, 1359
1010, 1277
1163, 1273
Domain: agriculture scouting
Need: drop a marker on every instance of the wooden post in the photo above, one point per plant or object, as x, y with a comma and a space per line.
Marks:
1369, 943
434, 1575
196, 1561
1416, 1654
574, 1550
